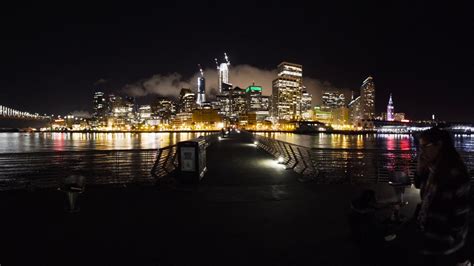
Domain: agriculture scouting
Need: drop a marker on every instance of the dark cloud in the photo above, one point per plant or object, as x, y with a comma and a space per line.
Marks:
81, 113
239, 75
100, 81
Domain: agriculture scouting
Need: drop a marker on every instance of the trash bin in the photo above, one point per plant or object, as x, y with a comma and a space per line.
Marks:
192, 160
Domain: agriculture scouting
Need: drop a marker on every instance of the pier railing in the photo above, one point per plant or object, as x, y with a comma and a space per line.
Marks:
167, 159
40, 170
48, 169
345, 165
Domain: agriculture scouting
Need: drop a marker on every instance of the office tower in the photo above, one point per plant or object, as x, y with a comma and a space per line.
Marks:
187, 101
223, 73
332, 99
287, 90
164, 109
255, 100
100, 105
201, 88
367, 93
306, 100
355, 110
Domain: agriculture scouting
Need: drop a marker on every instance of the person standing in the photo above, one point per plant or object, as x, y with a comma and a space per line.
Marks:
444, 184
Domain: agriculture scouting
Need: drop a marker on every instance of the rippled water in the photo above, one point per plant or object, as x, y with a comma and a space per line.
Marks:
39, 142
124, 157
367, 141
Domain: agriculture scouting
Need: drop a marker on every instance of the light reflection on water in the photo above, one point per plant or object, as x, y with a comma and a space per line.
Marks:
356, 155
40, 142
395, 142
35, 142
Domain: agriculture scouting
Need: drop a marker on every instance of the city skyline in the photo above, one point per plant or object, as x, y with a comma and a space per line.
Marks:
64, 57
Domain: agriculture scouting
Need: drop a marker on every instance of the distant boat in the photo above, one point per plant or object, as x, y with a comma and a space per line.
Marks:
310, 127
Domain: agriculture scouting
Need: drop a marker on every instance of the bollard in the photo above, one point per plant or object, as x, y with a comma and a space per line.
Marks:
399, 181
73, 185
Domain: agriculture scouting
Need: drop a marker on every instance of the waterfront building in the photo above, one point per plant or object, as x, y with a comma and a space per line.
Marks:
223, 104
144, 113
187, 101
390, 109
399, 117
239, 102
306, 99
255, 100
340, 115
182, 121
100, 105
111, 104
355, 110
321, 115
332, 99
163, 109
206, 118
367, 94
287, 91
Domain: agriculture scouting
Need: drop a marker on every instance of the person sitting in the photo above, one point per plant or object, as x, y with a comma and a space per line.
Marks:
367, 228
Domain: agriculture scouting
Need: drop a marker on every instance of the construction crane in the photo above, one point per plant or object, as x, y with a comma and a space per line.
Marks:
200, 70
226, 59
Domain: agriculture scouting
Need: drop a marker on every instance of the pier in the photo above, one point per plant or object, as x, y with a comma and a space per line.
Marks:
248, 209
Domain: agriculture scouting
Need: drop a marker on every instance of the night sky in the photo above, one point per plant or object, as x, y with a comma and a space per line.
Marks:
53, 56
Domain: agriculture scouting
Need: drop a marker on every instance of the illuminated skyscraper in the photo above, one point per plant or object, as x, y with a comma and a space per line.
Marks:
333, 99
223, 73
164, 109
255, 100
355, 110
287, 91
144, 112
238, 102
390, 110
367, 93
187, 101
306, 100
201, 88
100, 105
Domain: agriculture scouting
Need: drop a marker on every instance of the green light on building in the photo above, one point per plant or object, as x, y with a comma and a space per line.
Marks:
254, 89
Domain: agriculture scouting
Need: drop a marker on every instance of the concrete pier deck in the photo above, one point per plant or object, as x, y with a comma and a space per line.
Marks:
248, 210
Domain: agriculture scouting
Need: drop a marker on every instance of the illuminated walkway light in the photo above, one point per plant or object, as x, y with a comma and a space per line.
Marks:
280, 159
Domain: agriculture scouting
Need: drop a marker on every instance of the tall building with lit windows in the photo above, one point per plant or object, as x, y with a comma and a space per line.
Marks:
306, 99
287, 92
390, 110
333, 99
187, 101
100, 105
223, 76
367, 93
201, 90
355, 110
